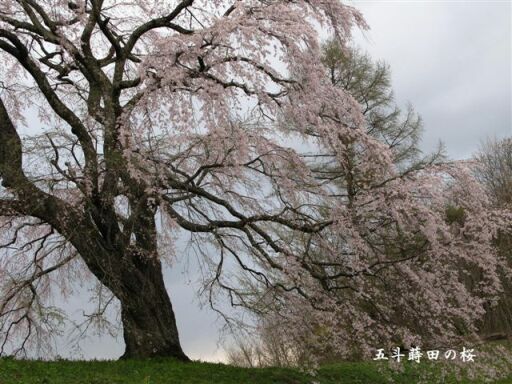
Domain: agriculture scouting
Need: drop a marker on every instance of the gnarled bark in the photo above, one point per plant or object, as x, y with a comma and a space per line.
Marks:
149, 323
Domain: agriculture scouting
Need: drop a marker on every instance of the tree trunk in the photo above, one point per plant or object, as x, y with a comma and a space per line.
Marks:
133, 273
149, 324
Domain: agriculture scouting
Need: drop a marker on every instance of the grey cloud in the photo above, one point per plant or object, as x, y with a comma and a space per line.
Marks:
452, 61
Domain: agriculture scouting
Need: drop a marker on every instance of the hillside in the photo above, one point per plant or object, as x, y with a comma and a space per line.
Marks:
169, 371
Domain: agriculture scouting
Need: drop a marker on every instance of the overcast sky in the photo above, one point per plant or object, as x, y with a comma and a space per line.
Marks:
451, 60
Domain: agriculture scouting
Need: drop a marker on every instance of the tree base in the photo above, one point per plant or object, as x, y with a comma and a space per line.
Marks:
180, 356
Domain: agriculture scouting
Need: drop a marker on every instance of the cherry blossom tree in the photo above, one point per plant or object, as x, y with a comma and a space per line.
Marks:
393, 287
140, 102
158, 118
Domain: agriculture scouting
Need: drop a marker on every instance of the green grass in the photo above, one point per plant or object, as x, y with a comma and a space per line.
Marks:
172, 372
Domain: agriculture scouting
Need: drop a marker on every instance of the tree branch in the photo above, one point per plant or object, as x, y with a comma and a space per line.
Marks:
158, 23
20, 52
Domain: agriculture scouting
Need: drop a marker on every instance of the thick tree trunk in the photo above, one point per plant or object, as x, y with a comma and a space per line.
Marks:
149, 324
133, 273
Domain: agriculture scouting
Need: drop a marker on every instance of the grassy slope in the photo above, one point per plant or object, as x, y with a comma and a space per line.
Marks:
168, 371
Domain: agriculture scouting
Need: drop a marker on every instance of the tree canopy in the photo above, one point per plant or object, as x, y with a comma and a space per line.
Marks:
157, 118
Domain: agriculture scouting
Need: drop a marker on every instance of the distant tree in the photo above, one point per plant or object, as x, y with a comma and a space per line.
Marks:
494, 169
369, 82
